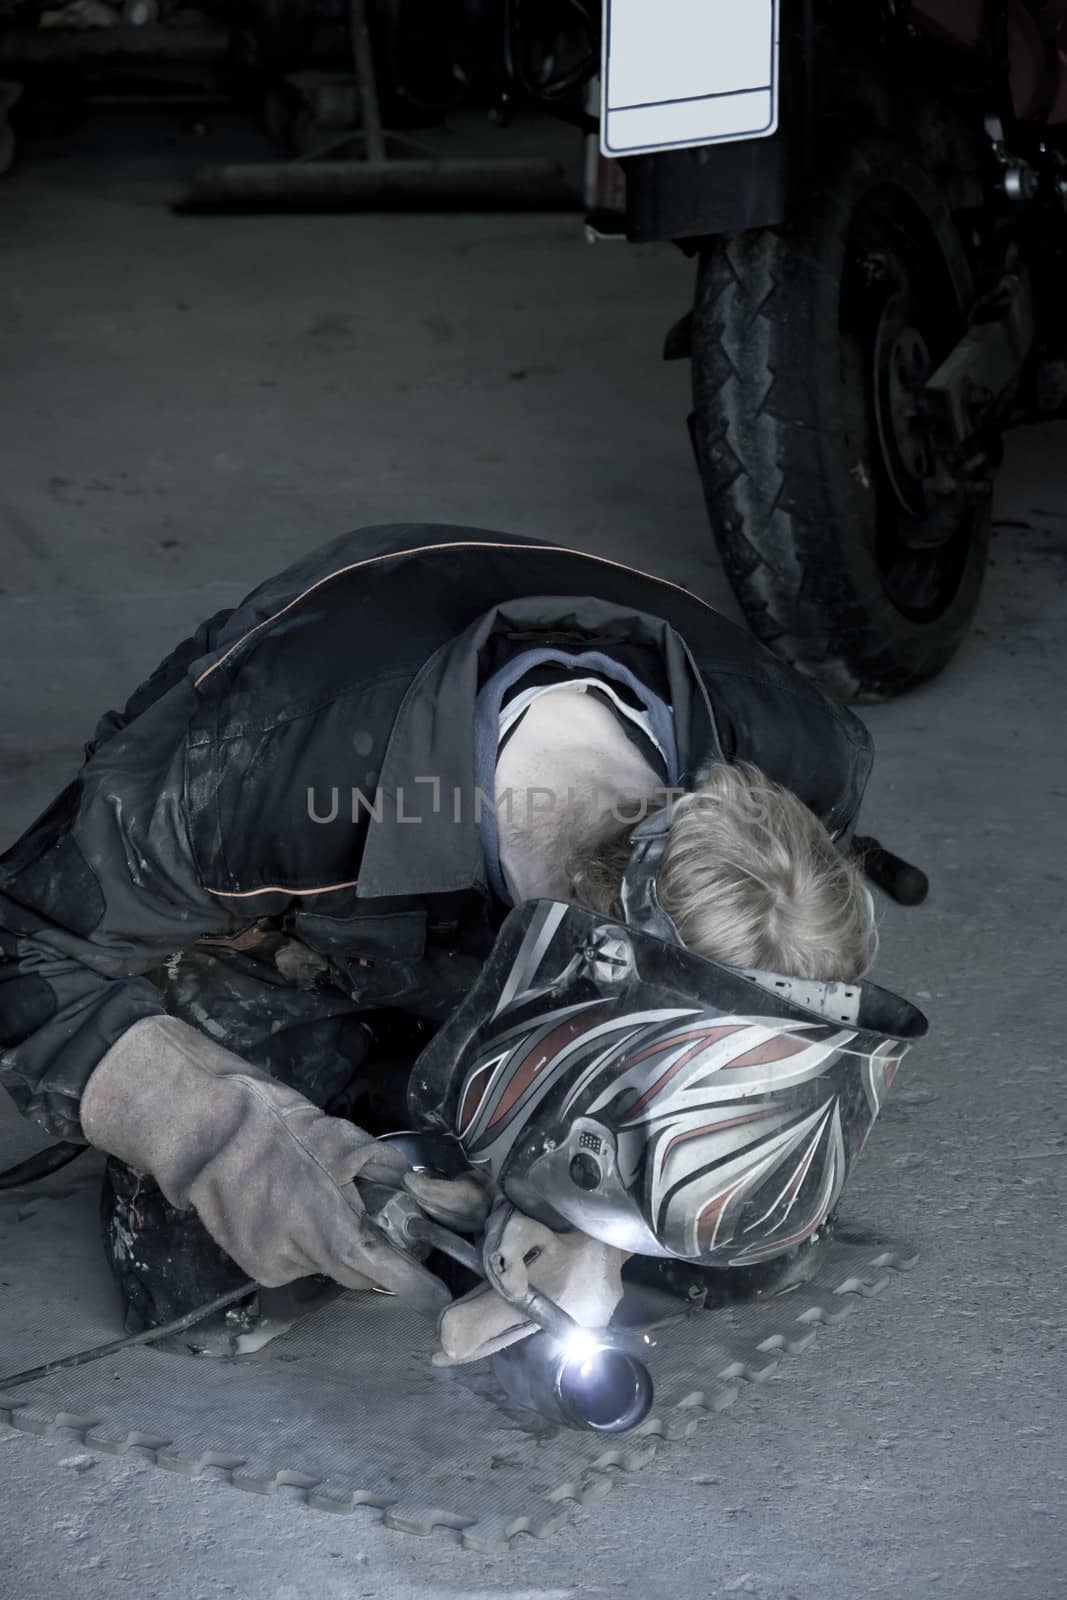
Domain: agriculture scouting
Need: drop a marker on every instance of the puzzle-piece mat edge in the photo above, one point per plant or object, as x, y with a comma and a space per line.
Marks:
665, 1426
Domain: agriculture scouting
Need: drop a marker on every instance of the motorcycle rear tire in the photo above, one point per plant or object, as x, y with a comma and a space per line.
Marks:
793, 465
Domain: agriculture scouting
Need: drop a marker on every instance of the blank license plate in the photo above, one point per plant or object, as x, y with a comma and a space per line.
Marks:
687, 72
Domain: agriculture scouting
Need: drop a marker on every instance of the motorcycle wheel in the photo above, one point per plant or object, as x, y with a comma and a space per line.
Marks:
852, 549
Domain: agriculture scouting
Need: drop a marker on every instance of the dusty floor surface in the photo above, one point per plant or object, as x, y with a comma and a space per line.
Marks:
189, 403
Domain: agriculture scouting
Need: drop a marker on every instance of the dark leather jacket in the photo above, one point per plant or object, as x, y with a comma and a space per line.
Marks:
305, 762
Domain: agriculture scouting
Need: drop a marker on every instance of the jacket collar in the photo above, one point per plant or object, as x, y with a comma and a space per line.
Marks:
425, 838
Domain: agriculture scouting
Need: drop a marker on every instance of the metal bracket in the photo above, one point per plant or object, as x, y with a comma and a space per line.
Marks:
971, 386
1018, 180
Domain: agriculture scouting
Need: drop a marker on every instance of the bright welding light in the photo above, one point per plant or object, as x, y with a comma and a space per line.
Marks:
581, 1346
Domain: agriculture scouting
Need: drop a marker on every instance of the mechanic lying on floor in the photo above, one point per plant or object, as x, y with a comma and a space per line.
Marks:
309, 826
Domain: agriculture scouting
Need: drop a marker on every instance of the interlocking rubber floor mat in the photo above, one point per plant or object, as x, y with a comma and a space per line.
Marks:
346, 1406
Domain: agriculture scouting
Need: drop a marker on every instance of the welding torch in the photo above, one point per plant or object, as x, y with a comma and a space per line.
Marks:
565, 1372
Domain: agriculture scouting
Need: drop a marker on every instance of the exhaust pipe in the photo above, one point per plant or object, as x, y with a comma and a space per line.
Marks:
578, 1382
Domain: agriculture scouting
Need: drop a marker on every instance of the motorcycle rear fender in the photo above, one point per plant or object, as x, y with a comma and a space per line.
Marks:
754, 183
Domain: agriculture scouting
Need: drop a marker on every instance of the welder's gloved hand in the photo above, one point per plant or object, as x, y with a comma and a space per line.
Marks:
460, 1203
270, 1175
578, 1273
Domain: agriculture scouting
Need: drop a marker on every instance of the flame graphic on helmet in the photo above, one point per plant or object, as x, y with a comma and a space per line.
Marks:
607, 1079
709, 1102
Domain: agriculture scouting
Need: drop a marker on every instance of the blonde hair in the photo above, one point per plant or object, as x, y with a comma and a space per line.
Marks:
750, 877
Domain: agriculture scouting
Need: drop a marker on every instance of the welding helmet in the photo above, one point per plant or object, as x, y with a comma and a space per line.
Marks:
607, 1079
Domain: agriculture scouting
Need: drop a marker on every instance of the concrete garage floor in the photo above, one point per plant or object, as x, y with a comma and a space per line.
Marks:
187, 404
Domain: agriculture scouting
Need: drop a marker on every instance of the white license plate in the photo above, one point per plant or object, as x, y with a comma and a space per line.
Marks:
687, 72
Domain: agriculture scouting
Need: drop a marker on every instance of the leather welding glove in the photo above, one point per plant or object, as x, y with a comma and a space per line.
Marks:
460, 1203
577, 1272
270, 1175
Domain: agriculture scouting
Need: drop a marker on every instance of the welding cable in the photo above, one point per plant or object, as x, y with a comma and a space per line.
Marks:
98, 1352
42, 1165
433, 1233
449, 1244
